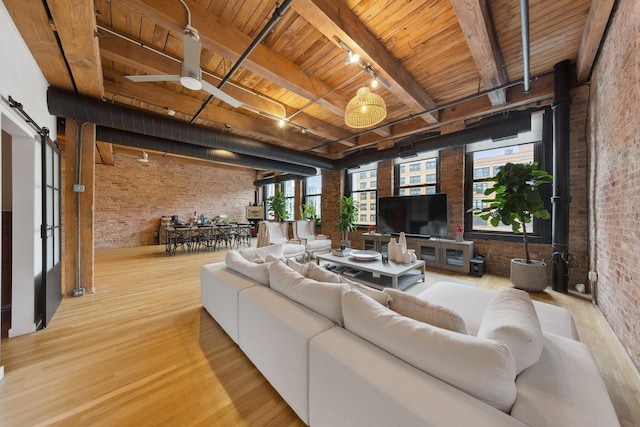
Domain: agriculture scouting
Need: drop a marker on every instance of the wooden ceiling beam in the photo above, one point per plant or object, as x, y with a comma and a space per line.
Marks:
473, 16
31, 19
76, 25
337, 21
218, 36
597, 19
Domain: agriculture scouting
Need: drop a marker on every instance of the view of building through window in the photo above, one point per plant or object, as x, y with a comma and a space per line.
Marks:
313, 193
289, 190
364, 184
486, 164
268, 191
417, 175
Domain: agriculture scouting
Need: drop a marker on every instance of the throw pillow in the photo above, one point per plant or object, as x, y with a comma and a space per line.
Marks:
511, 318
321, 274
299, 267
424, 311
480, 367
255, 271
259, 254
321, 297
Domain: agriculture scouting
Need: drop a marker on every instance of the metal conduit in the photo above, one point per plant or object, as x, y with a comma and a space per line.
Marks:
277, 14
524, 23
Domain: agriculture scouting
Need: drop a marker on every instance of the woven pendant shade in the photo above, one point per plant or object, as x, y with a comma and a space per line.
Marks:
365, 109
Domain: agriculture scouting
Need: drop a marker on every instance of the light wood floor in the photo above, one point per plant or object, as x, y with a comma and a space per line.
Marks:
142, 351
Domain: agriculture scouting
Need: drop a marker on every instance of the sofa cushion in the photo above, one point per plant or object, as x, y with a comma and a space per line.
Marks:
255, 271
564, 388
424, 311
321, 274
301, 268
511, 318
259, 255
482, 368
321, 297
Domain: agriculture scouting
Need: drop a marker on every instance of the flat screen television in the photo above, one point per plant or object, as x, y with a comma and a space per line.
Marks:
424, 215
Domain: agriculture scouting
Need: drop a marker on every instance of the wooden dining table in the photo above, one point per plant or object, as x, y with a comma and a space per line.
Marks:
193, 237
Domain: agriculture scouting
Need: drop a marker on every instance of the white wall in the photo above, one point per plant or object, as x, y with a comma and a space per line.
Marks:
21, 79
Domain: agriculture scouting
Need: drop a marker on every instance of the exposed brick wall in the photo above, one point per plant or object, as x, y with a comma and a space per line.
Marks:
614, 155
131, 197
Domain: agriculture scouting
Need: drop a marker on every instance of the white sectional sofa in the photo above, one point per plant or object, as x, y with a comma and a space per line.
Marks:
331, 376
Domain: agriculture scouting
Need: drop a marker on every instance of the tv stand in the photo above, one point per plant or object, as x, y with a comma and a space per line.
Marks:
437, 253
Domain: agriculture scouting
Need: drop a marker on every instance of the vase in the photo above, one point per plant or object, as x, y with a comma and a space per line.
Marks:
392, 249
412, 255
402, 244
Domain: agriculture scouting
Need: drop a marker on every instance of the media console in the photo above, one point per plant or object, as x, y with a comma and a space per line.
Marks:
436, 253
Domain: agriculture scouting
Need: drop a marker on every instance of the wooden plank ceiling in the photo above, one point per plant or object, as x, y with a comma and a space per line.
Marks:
438, 57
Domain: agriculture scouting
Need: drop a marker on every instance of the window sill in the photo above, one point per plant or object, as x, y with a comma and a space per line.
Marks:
505, 237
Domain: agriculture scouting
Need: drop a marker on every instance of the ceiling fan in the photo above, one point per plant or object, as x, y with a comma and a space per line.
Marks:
190, 71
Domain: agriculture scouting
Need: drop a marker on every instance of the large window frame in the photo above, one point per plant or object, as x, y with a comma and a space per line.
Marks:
362, 184
540, 138
412, 174
268, 190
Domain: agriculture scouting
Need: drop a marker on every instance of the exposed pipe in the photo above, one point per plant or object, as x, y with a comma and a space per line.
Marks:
131, 139
277, 14
518, 122
86, 109
524, 24
561, 163
78, 189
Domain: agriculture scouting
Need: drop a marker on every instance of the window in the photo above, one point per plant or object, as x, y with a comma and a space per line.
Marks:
268, 190
289, 190
480, 187
313, 193
408, 183
361, 185
481, 172
484, 159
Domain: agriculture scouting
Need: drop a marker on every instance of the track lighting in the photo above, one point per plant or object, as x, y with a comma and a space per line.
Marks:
281, 123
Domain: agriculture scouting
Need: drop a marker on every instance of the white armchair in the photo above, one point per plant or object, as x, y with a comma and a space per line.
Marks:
304, 231
273, 233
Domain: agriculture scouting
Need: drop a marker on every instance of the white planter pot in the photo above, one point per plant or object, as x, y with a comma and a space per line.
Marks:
529, 277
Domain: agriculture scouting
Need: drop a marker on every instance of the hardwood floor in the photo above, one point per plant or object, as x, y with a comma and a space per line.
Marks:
142, 351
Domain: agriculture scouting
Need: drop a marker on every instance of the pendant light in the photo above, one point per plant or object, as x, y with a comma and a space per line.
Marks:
365, 109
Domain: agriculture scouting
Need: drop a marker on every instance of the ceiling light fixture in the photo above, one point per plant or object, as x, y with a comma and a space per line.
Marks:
171, 111
365, 109
281, 123
144, 158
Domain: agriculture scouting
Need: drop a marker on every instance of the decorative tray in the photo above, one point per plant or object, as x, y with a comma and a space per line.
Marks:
365, 255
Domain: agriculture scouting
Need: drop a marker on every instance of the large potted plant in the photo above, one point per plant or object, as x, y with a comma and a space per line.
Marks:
347, 218
516, 202
277, 206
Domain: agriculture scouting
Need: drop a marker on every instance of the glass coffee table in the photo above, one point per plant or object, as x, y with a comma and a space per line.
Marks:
373, 272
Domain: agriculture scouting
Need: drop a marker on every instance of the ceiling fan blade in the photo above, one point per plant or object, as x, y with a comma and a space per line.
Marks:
154, 78
220, 94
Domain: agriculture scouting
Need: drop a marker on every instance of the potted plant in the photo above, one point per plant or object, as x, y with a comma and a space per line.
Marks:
347, 218
308, 212
277, 206
516, 202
